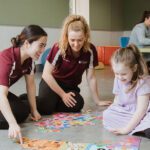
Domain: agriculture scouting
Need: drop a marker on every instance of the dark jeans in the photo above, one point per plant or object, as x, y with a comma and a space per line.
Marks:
19, 108
48, 101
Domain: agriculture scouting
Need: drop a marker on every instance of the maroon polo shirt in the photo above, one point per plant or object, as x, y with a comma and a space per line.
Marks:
69, 70
11, 68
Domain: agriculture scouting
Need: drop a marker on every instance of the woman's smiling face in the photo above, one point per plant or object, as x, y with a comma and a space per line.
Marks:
76, 40
36, 48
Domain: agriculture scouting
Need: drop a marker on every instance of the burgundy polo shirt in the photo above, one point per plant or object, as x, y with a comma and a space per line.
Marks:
69, 70
11, 68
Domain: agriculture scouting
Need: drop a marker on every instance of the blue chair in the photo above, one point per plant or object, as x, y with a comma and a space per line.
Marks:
44, 56
124, 40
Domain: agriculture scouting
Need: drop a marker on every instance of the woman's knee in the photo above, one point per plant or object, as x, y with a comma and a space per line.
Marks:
44, 89
3, 122
79, 102
20, 113
47, 99
19, 107
45, 105
20, 110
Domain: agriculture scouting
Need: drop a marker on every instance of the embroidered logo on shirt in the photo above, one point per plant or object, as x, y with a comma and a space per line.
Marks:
13, 76
66, 60
82, 62
25, 71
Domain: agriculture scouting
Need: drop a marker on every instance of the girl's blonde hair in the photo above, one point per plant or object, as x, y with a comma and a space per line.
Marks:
131, 56
75, 23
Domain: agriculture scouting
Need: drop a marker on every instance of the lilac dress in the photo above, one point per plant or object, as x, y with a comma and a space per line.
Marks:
118, 115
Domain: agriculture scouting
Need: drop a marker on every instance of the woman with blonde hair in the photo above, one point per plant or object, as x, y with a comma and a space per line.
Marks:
65, 65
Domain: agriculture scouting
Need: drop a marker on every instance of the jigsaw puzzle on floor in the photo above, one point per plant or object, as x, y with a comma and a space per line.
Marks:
126, 143
60, 121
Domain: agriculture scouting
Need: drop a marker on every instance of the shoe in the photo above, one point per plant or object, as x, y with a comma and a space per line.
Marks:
147, 133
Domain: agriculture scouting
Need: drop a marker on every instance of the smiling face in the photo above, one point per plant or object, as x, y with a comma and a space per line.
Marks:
76, 40
123, 72
36, 48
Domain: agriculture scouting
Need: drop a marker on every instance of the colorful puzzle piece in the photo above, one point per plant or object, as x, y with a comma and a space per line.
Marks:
128, 143
60, 121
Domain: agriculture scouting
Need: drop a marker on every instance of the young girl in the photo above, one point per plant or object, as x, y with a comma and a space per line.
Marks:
65, 66
15, 62
130, 112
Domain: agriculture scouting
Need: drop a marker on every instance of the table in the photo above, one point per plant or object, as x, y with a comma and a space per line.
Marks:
145, 50
146, 53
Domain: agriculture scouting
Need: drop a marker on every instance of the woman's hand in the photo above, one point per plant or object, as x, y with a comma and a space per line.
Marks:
68, 99
35, 115
14, 131
103, 103
120, 131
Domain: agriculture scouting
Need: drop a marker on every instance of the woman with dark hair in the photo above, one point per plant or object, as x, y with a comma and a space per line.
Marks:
140, 35
15, 62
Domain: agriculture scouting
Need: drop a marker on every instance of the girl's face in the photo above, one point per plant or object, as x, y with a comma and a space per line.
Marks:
123, 72
76, 40
36, 48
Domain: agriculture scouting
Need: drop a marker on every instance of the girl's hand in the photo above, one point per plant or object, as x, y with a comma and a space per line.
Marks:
35, 115
68, 99
104, 103
120, 131
14, 131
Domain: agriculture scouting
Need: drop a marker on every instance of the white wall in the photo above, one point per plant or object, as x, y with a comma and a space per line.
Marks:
126, 33
99, 38
7, 32
103, 38
80, 7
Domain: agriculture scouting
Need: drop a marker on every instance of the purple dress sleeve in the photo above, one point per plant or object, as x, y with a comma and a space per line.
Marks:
143, 86
116, 87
